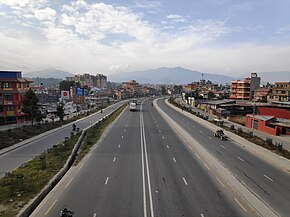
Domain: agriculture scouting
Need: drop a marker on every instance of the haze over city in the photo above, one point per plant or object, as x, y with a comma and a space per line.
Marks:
217, 36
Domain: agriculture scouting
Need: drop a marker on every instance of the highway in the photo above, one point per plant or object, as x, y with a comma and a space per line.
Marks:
269, 183
140, 167
13, 158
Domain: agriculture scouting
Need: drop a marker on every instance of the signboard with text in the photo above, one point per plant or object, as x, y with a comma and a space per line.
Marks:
64, 94
80, 91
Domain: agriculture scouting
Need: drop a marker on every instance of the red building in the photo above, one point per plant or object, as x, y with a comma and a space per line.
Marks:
268, 124
12, 90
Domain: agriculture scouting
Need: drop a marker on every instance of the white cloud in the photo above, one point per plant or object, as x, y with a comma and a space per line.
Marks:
85, 37
284, 29
45, 14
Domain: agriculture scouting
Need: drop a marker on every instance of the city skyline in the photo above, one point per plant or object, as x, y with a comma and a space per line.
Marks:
216, 36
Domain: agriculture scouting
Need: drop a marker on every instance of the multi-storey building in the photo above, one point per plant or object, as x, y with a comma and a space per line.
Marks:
98, 80
244, 89
12, 90
280, 92
260, 94
133, 88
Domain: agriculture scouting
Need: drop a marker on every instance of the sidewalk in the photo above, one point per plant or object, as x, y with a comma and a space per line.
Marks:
284, 140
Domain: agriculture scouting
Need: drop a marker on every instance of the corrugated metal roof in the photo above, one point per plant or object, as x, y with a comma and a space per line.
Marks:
262, 117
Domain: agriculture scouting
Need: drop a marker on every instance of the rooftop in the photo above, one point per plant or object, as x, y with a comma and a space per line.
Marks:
261, 117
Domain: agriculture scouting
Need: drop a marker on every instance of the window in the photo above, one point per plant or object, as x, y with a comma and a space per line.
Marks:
10, 108
8, 97
7, 85
1, 108
18, 85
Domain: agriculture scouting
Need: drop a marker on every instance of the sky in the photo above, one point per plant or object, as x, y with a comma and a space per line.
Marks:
230, 37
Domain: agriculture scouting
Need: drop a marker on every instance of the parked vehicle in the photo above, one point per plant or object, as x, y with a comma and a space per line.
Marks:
220, 133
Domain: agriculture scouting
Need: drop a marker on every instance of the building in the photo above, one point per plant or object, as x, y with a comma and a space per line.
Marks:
12, 90
87, 80
268, 124
260, 94
133, 88
244, 89
280, 92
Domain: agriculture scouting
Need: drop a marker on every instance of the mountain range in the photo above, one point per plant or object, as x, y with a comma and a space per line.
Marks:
164, 75
58, 74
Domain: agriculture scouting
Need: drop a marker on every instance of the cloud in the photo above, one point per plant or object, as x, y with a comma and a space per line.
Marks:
45, 14
283, 29
81, 36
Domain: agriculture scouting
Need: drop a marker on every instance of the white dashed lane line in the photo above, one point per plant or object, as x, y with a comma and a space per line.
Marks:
54, 202
107, 180
114, 159
68, 183
167, 146
240, 205
241, 159
267, 177
197, 155
184, 180
119, 145
223, 146
174, 160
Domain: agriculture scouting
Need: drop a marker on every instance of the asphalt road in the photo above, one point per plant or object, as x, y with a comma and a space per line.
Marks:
265, 180
140, 168
16, 157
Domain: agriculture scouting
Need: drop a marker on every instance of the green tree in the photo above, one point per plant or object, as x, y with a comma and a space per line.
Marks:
30, 105
163, 90
60, 112
177, 89
66, 85
210, 95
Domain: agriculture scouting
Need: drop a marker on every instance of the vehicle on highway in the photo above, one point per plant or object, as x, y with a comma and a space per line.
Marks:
220, 133
133, 106
66, 213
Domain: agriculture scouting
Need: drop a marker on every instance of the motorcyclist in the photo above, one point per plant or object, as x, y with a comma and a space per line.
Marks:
66, 213
74, 127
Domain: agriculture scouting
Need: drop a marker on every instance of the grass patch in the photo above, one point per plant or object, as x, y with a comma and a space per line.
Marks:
25, 182
94, 134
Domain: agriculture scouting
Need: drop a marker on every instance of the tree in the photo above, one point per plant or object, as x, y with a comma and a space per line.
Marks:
163, 90
66, 85
210, 95
60, 112
177, 89
30, 105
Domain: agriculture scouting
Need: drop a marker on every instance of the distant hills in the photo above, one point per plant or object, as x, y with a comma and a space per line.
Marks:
177, 75
164, 75
57, 74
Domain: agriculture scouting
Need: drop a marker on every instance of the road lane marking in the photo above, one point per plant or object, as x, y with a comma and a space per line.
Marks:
206, 166
202, 215
89, 155
95, 215
268, 178
144, 144
167, 146
126, 125
68, 183
197, 155
162, 137
241, 159
81, 166
200, 131
54, 202
159, 131
223, 146
107, 180
185, 182
220, 182
119, 145
240, 205
122, 137
174, 160
114, 159
210, 137
124, 130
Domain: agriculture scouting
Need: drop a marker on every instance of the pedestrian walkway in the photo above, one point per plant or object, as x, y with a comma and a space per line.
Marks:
284, 139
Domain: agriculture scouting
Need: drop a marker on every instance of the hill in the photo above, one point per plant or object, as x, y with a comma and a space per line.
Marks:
165, 75
57, 74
